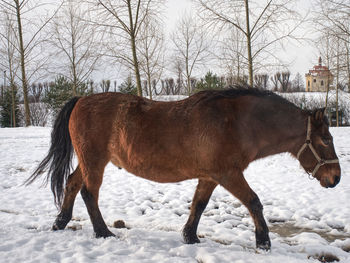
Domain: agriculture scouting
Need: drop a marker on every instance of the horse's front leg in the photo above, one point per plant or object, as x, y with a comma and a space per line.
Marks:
199, 202
237, 185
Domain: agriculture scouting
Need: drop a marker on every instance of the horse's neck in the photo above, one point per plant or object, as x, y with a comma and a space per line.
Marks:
288, 133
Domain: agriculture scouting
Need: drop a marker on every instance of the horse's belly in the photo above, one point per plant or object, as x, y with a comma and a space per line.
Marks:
157, 173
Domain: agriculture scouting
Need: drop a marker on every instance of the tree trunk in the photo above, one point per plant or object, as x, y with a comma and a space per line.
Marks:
75, 79
24, 79
13, 104
148, 73
149, 86
133, 49
327, 90
187, 68
348, 64
2, 88
337, 87
136, 67
249, 45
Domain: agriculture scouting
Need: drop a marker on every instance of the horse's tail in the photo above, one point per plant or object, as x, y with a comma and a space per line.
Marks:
59, 158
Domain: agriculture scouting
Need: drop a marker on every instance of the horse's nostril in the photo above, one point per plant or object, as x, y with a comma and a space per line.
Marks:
336, 179
335, 182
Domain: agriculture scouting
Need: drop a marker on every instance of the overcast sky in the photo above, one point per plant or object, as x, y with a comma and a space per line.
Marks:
302, 56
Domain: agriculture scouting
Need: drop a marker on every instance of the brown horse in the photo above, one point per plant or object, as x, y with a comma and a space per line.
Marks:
212, 136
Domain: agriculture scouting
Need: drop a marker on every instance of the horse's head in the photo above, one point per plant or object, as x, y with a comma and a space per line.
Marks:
317, 154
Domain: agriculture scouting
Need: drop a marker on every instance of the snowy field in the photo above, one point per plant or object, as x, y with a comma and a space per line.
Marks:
308, 223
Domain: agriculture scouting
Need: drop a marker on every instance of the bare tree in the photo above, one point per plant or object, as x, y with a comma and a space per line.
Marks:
231, 53
28, 35
261, 80
178, 68
125, 19
335, 15
151, 50
325, 45
105, 85
8, 59
191, 44
263, 23
333, 18
283, 79
274, 80
76, 42
298, 83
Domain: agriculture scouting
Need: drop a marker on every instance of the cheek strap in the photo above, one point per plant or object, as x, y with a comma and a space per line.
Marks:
308, 143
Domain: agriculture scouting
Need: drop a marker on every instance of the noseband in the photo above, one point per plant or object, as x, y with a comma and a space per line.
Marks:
308, 143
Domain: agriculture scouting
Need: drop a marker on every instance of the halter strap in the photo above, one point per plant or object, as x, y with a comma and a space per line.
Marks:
308, 143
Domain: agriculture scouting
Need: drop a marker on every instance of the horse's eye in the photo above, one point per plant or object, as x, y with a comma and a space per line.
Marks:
327, 141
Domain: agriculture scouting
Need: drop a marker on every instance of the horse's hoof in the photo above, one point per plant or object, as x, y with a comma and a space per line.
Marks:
193, 240
190, 239
58, 226
54, 228
105, 234
264, 246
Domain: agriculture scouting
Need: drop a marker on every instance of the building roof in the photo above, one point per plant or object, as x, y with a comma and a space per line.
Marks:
319, 70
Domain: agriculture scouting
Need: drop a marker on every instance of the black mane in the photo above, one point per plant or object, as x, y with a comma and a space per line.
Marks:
237, 90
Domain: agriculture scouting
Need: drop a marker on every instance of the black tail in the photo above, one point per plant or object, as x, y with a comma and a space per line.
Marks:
59, 158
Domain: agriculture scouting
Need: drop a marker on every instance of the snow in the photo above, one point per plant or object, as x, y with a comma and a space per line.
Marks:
306, 220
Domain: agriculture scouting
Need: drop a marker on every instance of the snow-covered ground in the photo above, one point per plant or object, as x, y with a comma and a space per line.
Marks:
306, 220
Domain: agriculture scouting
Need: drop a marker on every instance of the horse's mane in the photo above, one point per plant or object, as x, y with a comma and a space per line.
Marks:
238, 90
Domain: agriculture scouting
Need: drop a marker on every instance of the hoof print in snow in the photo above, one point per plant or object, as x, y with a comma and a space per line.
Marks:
119, 224
276, 220
222, 242
346, 248
32, 228
325, 258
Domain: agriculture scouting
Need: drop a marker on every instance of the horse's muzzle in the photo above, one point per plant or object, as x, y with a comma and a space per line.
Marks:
336, 180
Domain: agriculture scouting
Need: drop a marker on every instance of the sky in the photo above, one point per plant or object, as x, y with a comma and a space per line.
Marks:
301, 56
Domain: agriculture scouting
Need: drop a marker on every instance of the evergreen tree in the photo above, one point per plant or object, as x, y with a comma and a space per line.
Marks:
210, 81
61, 91
128, 86
6, 108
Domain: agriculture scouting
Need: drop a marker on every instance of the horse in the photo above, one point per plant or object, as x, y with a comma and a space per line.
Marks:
211, 136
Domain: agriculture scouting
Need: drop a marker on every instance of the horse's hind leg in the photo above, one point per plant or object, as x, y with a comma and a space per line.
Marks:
238, 186
92, 180
199, 202
73, 186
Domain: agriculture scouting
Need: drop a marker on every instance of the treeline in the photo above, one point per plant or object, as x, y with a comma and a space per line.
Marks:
47, 98
77, 39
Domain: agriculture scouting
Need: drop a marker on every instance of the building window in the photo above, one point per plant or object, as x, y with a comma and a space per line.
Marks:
321, 82
314, 80
308, 83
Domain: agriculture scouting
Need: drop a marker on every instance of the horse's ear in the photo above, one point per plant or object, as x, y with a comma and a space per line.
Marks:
319, 114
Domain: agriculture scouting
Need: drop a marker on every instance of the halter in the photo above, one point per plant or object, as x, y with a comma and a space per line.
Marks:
308, 143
